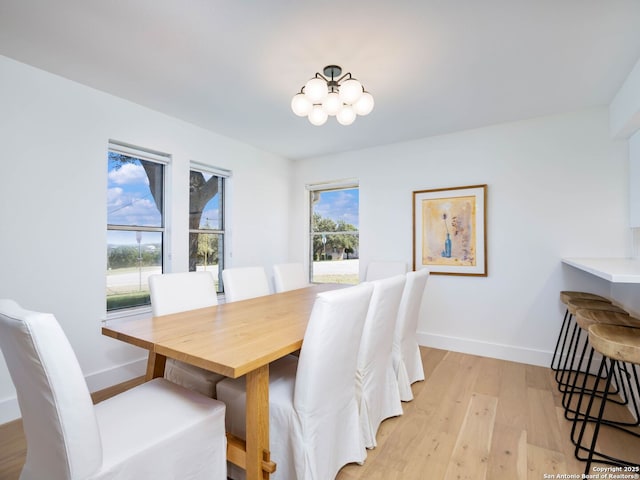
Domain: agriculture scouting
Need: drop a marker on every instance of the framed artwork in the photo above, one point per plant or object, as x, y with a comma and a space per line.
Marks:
449, 230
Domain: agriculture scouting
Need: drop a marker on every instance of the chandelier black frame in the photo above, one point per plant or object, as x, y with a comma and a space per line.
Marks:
332, 94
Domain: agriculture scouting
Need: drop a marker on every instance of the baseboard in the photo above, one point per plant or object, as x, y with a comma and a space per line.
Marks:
486, 349
113, 376
10, 411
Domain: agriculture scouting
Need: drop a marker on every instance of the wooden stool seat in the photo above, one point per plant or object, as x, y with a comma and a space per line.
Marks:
585, 313
563, 344
574, 305
586, 317
566, 296
619, 347
617, 342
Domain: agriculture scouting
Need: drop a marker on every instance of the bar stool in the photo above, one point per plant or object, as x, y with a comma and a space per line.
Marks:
565, 297
585, 318
618, 345
569, 351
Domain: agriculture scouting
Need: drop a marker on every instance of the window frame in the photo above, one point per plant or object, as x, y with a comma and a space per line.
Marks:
160, 158
343, 184
222, 231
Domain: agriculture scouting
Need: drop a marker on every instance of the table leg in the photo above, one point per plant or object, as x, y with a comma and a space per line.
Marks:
155, 366
257, 423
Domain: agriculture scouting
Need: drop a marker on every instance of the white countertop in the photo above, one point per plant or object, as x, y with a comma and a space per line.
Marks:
616, 270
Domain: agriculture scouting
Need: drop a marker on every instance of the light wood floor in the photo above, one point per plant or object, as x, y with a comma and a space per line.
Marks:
473, 418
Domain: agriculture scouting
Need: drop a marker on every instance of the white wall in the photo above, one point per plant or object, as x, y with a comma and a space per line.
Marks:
557, 186
54, 135
624, 123
624, 110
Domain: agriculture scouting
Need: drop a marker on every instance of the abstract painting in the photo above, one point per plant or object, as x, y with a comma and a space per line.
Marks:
449, 230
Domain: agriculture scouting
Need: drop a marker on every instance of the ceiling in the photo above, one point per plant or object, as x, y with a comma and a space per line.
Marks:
433, 66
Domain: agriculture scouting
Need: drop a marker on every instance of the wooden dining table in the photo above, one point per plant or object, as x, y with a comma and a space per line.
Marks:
232, 339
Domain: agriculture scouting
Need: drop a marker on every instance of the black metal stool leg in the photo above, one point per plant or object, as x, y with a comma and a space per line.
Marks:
557, 353
603, 403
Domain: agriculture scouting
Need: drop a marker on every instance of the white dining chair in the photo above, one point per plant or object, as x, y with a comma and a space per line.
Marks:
376, 385
289, 276
156, 430
380, 270
244, 282
407, 361
180, 292
313, 412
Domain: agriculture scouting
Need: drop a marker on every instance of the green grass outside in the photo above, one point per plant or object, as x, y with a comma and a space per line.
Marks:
134, 269
128, 300
348, 279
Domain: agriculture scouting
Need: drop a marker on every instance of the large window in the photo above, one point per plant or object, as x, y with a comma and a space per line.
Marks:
334, 236
206, 221
135, 224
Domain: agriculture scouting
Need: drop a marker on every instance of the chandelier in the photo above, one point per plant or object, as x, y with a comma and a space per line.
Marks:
332, 94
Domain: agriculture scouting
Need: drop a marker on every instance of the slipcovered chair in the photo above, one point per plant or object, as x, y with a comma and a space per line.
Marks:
289, 276
156, 430
380, 270
179, 292
245, 282
376, 385
407, 361
313, 413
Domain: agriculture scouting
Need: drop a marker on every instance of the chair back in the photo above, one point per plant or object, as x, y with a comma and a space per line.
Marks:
327, 363
377, 389
245, 282
380, 270
409, 311
179, 292
407, 361
63, 440
374, 356
289, 276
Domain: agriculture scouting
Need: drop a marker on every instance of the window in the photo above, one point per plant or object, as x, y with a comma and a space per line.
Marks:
135, 224
334, 236
206, 221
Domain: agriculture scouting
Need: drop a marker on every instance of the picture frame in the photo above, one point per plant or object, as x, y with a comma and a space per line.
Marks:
450, 230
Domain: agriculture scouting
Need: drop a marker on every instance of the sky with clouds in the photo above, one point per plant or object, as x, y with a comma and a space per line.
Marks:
339, 205
129, 199
129, 202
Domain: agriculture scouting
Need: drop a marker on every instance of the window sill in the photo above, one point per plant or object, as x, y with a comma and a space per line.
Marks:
129, 313
141, 312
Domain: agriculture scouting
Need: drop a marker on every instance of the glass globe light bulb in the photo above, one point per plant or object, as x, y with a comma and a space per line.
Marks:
346, 116
332, 103
364, 105
350, 91
318, 116
301, 105
316, 90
